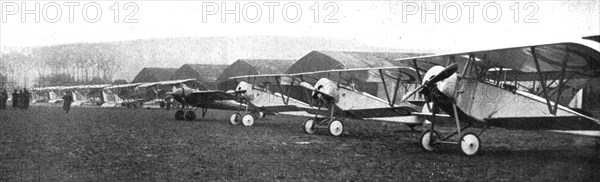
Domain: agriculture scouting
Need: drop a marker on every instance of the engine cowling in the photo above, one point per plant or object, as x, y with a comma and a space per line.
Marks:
183, 91
446, 86
246, 90
327, 87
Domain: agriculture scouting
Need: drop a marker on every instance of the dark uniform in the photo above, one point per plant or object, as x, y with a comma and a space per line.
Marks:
67, 99
21, 103
15, 99
3, 99
26, 98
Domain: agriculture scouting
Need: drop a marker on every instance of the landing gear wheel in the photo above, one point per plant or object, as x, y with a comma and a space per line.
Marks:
309, 126
190, 115
179, 115
248, 120
428, 138
336, 128
469, 143
235, 119
261, 115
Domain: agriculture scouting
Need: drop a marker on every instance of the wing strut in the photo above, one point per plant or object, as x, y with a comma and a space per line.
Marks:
560, 85
418, 71
391, 102
387, 95
542, 81
398, 87
289, 91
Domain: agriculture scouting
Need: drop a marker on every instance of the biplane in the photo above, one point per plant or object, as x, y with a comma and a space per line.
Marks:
138, 94
249, 101
258, 96
531, 87
194, 99
117, 94
81, 93
340, 99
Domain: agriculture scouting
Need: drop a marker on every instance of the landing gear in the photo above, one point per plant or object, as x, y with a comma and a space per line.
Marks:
242, 115
429, 139
248, 120
179, 115
235, 119
309, 126
333, 125
190, 115
469, 143
336, 128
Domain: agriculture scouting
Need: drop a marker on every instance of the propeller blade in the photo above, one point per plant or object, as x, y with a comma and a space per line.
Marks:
411, 93
308, 86
447, 72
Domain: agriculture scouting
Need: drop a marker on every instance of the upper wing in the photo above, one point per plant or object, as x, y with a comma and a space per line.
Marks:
123, 86
169, 82
580, 56
375, 74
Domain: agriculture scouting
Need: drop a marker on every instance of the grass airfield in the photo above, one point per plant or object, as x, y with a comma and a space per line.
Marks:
120, 144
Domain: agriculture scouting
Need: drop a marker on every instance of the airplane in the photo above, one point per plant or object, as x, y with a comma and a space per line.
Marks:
342, 99
249, 101
81, 93
528, 87
117, 94
265, 99
136, 94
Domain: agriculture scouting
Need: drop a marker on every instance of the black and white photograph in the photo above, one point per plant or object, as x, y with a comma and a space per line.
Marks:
307, 90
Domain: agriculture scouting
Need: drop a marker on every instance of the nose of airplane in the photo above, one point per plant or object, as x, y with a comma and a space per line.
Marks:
177, 92
245, 90
326, 89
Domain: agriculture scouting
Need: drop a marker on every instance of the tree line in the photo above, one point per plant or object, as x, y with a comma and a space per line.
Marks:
70, 64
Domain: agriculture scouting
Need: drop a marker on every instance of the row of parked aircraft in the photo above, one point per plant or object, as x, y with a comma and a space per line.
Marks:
521, 87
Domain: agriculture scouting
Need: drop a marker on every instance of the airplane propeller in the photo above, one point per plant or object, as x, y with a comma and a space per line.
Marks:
442, 75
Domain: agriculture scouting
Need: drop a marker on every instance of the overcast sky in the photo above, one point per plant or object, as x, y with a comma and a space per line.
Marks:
391, 24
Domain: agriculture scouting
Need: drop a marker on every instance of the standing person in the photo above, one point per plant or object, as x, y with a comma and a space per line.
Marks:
67, 99
15, 99
3, 99
21, 103
26, 98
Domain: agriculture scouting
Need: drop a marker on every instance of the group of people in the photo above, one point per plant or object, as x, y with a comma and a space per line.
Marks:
20, 99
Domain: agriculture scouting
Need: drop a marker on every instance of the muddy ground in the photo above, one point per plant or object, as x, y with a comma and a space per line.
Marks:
108, 144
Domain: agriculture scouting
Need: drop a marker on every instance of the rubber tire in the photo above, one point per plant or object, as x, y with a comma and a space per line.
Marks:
248, 120
469, 143
179, 115
235, 119
426, 139
190, 115
336, 128
309, 127
261, 115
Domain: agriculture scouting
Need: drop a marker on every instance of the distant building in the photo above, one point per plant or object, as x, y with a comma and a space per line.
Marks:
363, 81
152, 74
204, 73
251, 67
